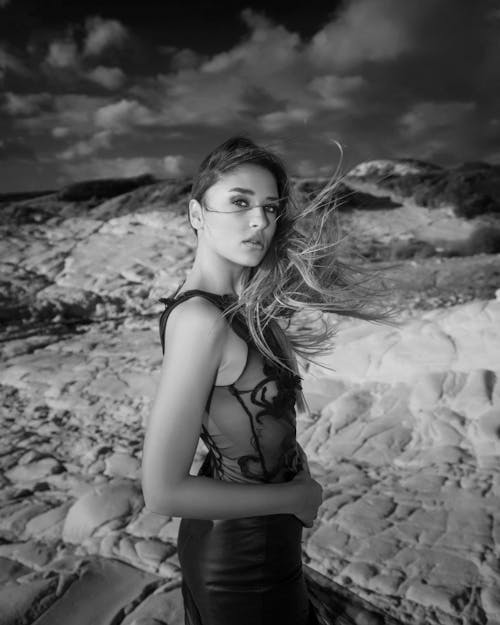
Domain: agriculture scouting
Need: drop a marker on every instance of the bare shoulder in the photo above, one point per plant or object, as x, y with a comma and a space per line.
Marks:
196, 316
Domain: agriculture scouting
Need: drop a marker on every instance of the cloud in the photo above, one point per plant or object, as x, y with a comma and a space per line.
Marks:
123, 115
103, 34
228, 86
278, 120
269, 49
15, 149
10, 63
26, 104
276, 78
60, 132
366, 30
384, 77
63, 54
333, 90
194, 98
87, 147
68, 55
72, 111
429, 116
174, 165
108, 77
120, 167
305, 167
184, 58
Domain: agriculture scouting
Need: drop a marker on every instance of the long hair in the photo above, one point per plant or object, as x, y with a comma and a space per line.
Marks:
300, 272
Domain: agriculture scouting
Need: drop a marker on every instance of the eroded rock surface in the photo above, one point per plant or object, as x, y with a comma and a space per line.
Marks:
403, 435
403, 432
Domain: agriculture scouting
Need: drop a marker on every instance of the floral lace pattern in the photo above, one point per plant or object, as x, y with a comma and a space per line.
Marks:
269, 409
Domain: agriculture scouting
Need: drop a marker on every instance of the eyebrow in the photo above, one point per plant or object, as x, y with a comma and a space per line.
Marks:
250, 192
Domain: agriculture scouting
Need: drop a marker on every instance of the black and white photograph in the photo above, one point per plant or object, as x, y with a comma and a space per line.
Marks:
250, 312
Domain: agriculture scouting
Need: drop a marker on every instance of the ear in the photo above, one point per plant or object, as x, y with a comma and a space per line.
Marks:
195, 214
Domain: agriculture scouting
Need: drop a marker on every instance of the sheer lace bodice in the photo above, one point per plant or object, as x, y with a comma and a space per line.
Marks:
249, 426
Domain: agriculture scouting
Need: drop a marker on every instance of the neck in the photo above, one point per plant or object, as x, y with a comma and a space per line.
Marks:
214, 274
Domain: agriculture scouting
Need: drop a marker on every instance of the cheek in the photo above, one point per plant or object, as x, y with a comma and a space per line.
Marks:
226, 232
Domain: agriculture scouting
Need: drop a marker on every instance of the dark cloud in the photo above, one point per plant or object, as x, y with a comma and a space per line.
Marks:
384, 77
15, 150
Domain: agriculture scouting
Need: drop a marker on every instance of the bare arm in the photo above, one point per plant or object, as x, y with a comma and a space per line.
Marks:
194, 338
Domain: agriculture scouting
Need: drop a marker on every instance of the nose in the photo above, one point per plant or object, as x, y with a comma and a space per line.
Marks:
258, 218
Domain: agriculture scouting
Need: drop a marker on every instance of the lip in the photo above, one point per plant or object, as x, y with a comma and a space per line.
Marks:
255, 244
254, 240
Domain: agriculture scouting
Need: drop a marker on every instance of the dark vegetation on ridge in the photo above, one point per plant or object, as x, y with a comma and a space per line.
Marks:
104, 188
472, 189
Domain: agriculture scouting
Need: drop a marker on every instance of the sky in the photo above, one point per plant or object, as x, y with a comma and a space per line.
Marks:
114, 89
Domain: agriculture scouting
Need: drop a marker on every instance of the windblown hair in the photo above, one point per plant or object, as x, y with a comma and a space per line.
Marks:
301, 271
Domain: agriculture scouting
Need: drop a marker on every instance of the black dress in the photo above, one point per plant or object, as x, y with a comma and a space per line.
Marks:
249, 570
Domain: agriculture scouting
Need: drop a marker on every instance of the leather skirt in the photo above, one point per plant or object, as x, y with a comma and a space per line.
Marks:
246, 571
249, 571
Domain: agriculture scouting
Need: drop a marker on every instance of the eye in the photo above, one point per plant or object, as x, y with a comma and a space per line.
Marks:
272, 208
239, 201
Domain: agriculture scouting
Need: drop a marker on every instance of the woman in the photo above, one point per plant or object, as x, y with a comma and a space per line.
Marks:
230, 376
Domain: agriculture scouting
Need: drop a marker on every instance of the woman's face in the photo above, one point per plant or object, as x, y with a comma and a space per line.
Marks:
240, 214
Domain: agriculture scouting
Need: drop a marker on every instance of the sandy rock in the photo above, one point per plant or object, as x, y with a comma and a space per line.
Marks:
28, 457
146, 620
49, 524
107, 547
425, 525
162, 608
102, 590
475, 396
22, 603
147, 525
15, 516
170, 530
404, 441
431, 596
121, 464
326, 539
33, 554
105, 503
366, 516
490, 599
126, 551
10, 570
74, 485
484, 435
173, 560
385, 584
34, 471
359, 572
90, 546
376, 549
459, 339
169, 569
153, 551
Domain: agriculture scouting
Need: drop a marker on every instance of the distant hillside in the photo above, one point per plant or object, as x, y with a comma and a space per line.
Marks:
103, 188
18, 196
471, 189
102, 249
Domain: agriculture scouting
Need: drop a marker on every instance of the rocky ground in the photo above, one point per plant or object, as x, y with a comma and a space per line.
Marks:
403, 434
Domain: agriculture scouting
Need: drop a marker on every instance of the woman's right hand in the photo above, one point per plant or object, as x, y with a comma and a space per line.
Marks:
309, 497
